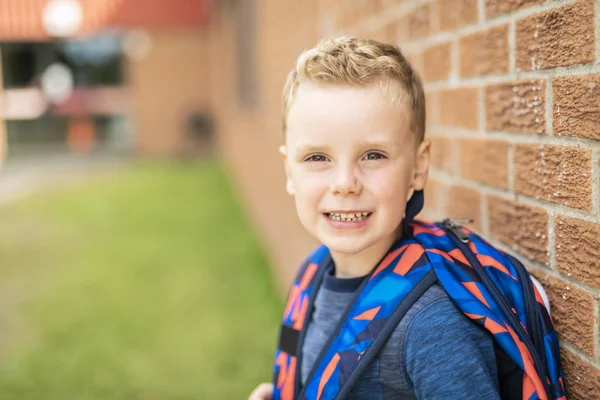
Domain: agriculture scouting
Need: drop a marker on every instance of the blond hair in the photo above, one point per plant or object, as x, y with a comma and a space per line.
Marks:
352, 61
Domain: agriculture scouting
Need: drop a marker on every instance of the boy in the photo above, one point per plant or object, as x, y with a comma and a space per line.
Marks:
354, 154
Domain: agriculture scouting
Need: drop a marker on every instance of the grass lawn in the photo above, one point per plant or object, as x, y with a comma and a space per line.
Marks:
146, 284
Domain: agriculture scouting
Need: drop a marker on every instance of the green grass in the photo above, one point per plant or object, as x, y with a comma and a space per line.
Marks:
147, 284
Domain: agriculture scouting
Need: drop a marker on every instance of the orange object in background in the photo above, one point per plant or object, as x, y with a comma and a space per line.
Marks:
21, 20
81, 136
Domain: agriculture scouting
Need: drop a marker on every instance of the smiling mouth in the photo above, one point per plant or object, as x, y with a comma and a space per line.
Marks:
349, 217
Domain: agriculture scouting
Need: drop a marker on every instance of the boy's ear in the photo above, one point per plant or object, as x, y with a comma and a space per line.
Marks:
422, 165
289, 185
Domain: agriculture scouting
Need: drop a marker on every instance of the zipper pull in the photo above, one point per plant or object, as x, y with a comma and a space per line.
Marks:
461, 220
452, 225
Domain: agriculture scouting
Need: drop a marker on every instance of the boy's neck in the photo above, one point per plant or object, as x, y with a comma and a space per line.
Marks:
360, 264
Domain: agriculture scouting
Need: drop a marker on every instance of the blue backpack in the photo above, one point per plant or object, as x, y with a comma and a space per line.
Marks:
490, 287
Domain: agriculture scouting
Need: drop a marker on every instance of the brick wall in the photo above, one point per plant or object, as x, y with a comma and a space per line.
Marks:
513, 92
249, 136
166, 85
513, 97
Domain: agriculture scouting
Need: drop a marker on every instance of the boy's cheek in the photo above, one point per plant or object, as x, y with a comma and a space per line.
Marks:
389, 185
310, 184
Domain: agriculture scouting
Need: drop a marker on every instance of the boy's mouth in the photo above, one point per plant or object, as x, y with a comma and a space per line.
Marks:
349, 217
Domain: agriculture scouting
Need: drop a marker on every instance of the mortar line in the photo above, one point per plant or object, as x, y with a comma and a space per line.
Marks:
454, 62
519, 138
512, 27
551, 241
511, 168
485, 224
596, 181
597, 25
390, 15
573, 349
549, 108
434, 17
490, 23
327, 23
597, 329
531, 202
572, 70
481, 11
481, 120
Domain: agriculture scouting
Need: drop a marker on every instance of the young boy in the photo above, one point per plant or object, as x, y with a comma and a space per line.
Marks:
354, 154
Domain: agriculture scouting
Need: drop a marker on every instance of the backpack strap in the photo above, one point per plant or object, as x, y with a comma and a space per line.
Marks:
297, 312
413, 207
397, 282
299, 307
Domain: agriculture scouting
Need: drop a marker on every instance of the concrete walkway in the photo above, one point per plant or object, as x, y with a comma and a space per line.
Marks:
22, 178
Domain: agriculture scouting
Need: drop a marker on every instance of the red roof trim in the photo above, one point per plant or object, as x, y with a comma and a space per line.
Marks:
21, 20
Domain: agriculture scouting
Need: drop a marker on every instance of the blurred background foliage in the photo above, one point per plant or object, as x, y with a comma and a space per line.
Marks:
148, 283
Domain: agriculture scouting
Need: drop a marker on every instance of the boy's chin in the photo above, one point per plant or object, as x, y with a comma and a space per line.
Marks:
345, 245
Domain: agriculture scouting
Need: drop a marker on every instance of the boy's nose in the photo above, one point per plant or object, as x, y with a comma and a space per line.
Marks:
345, 183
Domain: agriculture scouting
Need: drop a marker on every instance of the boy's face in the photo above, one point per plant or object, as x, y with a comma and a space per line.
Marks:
348, 151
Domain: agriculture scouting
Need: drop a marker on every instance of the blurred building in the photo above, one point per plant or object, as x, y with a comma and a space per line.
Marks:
89, 76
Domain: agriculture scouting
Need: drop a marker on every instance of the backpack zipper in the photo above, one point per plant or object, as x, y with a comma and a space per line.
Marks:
462, 241
530, 304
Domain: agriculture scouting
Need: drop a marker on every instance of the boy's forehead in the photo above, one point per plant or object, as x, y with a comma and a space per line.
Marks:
383, 95
323, 112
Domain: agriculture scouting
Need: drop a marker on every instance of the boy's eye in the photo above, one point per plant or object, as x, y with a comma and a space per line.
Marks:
317, 158
373, 156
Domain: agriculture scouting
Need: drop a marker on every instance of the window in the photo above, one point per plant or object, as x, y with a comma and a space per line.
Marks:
94, 61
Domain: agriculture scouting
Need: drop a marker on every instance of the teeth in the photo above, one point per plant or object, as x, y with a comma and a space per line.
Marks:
352, 217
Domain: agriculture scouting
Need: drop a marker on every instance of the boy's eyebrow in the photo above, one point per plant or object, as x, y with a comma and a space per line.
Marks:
308, 147
381, 143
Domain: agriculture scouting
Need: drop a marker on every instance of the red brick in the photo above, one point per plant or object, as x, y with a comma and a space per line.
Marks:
463, 202
330, 5
419, 23
577, 106
558, 174
516, 107
432, 107
415, 59
494, 8
572, 312
443, 153
402, 30
353, 12
386, 4
435, 195
578, 249
443, 200
459, 107
484, 52
559, 37
457, 13
484, 161
523, 228
436, 62
386, 33
583, 379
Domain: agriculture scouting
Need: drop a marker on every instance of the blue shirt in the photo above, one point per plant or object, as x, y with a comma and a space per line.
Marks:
435, 352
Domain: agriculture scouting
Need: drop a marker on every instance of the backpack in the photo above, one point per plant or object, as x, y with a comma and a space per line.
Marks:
490, 287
